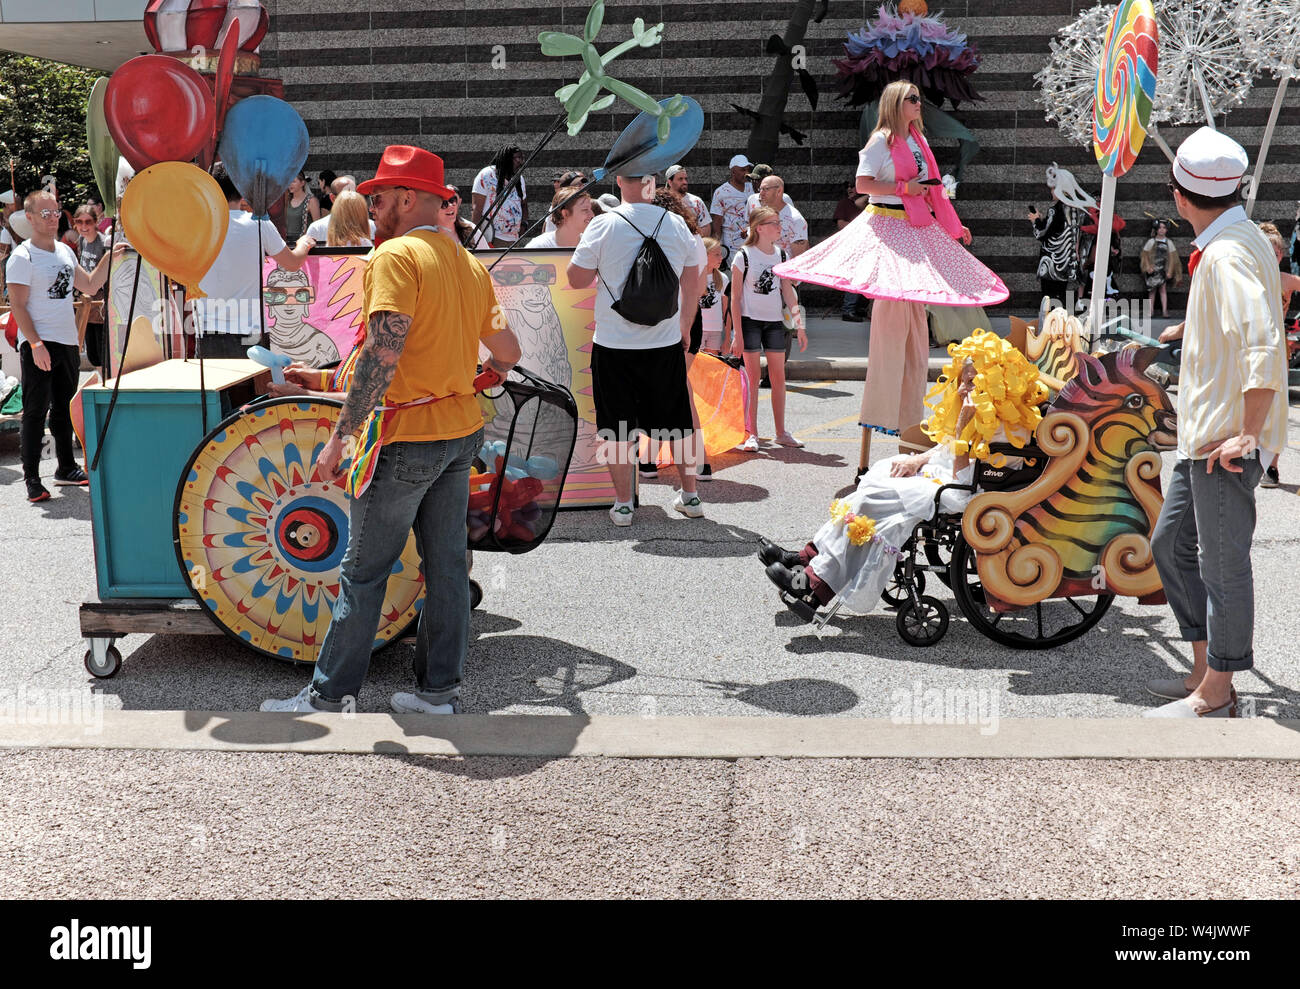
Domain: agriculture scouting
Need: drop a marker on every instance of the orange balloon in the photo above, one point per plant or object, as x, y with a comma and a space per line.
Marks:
175, 215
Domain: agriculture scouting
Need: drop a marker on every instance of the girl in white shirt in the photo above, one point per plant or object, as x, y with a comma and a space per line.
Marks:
714, 304
756, 297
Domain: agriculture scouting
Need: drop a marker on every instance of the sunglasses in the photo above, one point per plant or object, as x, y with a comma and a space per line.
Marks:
279, 296
47, 214
543, 274
912, 98
83, 222
450, 202
376, 198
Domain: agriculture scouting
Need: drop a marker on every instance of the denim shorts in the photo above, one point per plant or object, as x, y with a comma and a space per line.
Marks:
763, 334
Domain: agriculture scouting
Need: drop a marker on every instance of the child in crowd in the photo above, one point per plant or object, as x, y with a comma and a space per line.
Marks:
756, 297
714, 304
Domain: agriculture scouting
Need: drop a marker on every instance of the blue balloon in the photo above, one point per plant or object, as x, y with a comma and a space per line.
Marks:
637, 150
264, 146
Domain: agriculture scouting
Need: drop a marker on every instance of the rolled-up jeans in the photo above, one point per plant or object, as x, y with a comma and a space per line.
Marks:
1201, 545
424, 486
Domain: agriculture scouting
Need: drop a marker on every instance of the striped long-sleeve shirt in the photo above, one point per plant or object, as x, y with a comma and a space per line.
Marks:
1233, 340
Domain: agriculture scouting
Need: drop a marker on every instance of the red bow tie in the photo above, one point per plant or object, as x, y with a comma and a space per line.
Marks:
1192, 262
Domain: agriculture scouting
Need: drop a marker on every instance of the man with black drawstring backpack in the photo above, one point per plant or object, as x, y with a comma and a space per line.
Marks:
638, 359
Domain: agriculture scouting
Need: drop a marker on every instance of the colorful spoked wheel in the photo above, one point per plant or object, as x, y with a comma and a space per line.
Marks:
261, 539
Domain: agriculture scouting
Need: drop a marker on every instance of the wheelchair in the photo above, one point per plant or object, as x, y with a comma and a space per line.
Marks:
937, 546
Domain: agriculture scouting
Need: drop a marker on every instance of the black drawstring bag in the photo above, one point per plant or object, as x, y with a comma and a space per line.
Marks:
652, 287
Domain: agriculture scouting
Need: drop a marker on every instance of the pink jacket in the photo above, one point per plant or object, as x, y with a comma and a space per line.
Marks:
918, 208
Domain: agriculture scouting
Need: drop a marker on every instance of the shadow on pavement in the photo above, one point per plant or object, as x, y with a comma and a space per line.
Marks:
801, 696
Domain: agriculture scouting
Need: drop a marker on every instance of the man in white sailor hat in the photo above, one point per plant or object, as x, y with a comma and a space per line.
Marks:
1232, 418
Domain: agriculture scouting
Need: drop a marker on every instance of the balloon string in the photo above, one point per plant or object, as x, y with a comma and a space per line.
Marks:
513, 184
117, 381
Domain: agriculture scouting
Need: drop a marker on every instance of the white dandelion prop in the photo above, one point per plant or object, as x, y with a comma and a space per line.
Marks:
1270, 38
1203, 71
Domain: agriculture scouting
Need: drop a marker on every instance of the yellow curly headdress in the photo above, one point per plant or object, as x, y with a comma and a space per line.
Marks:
1007, 394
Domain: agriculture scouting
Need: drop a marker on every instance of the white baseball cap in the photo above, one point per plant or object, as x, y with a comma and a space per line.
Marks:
1210, 163
740, 161
608, 200
7, 197
673, 170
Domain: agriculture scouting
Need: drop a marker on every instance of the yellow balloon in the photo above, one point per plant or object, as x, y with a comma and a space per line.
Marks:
175, 215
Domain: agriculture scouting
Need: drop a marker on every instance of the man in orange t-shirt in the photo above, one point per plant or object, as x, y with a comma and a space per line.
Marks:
429, 304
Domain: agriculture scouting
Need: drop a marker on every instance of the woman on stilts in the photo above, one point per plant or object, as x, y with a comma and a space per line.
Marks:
901, 251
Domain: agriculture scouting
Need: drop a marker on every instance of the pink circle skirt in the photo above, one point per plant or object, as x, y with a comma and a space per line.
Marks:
881, 255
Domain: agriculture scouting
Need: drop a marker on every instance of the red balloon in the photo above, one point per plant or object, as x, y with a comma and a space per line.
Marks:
158, 109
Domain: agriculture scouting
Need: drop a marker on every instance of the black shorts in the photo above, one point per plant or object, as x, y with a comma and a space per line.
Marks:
640, 389
763, 334
697, 332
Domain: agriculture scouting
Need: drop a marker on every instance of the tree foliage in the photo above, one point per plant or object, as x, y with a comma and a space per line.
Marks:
43, 125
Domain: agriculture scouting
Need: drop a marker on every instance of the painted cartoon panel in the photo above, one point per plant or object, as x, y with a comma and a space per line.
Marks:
313, 314
554, 323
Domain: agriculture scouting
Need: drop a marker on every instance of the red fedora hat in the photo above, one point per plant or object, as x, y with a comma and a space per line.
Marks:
411, 167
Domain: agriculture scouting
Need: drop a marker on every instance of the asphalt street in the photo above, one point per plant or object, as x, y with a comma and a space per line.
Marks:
671, 616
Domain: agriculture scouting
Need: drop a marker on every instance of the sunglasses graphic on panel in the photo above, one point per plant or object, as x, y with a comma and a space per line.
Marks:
543, 274
278, 296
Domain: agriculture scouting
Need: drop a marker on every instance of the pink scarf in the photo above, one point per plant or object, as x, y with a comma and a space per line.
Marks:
918, 208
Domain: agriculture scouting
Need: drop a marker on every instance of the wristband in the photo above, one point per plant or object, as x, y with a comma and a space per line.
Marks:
900, 188
38, 343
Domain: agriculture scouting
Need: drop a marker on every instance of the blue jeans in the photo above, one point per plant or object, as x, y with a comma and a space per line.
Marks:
1201, 545
424, 486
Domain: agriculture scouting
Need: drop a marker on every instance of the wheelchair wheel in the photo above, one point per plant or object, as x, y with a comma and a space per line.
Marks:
1040, 626
922, 624
895, 592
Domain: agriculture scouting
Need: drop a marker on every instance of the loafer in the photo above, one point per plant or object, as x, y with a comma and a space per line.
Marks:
769, 552
1171, 688
1182, 709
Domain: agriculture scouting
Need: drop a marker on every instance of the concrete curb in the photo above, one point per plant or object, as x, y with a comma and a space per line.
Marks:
542, 736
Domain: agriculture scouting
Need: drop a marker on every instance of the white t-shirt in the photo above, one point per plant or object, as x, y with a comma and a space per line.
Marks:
48, 276
609, 245
509, 221
543, 240
319, 230
234, 282
697, 205
6, 240
875, 161
711, 303
762, 289
729, 203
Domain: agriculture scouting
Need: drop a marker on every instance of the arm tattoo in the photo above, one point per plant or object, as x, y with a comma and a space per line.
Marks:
385, 338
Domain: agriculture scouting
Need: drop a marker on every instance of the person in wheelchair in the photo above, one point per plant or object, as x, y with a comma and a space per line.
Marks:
993, 398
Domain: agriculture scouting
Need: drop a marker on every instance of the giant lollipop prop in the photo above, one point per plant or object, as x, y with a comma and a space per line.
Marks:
1126, 89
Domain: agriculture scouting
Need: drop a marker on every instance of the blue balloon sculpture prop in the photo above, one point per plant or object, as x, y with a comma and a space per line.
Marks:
638, 151
264, 146
276, 362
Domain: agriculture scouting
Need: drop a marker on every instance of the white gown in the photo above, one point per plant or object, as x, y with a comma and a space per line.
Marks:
896, 505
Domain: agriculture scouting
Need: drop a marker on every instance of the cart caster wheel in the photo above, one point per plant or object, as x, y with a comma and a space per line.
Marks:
475, 594
112, 663
922, 624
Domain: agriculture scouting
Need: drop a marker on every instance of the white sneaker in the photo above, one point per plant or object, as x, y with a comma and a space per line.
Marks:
298, 704
405, 703
750, 445
785, 439
689, 505
621, 515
